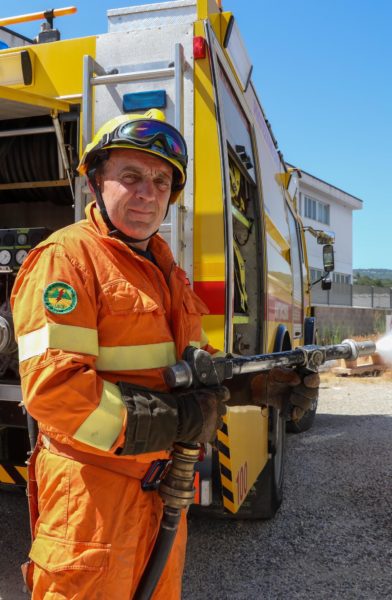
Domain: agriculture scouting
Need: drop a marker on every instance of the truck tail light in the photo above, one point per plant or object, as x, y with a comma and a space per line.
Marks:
199, 47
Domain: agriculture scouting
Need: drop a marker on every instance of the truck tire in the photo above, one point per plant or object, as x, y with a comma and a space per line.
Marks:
272, 498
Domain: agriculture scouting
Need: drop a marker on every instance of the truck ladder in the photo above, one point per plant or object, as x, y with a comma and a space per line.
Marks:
94, 75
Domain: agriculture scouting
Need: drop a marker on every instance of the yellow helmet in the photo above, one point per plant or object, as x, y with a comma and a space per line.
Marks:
148, 132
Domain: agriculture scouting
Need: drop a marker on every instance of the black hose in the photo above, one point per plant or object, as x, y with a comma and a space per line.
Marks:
160, 553
31, 158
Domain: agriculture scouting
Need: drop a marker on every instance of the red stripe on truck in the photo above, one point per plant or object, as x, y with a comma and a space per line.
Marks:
213, 295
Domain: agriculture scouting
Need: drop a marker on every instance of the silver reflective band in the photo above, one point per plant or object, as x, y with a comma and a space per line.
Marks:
69, 338
133, 358
103, 426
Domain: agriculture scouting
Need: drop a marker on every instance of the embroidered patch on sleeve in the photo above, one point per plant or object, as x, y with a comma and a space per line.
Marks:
60, 297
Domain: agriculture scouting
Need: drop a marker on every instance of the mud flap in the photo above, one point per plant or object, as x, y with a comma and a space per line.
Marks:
243, 452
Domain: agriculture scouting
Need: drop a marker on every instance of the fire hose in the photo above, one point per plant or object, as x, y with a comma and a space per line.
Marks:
177, 493
198, 368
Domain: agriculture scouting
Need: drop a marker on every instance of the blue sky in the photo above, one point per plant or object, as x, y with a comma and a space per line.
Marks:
323, 72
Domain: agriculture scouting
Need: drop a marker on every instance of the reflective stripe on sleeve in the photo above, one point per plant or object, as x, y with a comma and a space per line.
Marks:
131, 358
103, 426
204, 338
59, 337
194, 344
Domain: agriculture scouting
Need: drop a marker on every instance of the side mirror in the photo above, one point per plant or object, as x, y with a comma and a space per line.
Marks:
326, 284
328, 258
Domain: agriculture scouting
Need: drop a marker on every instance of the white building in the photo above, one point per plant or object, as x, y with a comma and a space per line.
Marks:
324, 206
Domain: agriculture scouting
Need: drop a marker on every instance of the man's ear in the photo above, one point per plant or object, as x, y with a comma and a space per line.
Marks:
94, 180
90, 186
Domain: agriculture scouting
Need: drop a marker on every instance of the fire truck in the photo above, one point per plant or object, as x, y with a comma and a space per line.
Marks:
236, 229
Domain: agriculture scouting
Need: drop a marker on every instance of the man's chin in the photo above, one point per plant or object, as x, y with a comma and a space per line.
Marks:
139, 233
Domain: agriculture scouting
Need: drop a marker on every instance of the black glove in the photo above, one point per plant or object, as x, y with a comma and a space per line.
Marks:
304, 394
281, 385
156, 419
277, 387
212, 404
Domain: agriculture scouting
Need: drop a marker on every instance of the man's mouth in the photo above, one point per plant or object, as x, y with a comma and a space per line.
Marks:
140, 214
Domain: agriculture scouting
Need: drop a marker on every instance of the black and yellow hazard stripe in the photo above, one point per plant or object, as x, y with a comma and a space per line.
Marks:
225, 468
13, 474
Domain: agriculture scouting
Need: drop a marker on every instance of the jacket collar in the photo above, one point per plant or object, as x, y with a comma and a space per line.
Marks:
95, 219
157, 245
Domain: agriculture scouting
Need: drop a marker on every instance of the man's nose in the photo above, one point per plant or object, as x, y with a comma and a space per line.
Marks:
145, 189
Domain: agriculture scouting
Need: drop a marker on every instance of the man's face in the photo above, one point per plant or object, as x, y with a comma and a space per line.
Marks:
136, 188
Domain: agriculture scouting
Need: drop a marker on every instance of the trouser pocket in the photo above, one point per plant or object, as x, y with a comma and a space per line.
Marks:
68, 569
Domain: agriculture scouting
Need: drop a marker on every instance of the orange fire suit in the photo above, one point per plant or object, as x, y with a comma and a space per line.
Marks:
90, 312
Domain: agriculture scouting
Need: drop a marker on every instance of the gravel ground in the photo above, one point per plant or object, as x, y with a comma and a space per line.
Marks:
332, 537
14, 543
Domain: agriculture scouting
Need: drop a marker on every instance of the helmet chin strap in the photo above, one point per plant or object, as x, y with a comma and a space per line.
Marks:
114, 231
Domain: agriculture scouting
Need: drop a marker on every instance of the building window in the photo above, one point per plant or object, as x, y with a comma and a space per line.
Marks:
315, 274
341, 278
336, 277
316, 210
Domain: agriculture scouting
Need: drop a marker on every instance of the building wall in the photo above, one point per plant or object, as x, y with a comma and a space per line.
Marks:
336, 323
341, 206
341, 225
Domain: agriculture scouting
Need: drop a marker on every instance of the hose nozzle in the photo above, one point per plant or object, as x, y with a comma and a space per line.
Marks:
359, 348
177, 490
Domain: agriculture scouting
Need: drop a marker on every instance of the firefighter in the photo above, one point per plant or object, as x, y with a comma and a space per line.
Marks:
100, 308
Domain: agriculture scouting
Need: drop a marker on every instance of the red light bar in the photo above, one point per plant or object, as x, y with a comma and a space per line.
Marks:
199, 47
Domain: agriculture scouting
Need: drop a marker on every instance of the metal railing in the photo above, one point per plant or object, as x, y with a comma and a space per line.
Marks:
347, 294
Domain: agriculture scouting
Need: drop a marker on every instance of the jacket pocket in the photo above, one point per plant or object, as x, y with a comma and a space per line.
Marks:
54, 555
193, 304
122, 297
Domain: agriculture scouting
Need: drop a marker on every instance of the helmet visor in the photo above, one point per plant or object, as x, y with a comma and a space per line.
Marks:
155, 135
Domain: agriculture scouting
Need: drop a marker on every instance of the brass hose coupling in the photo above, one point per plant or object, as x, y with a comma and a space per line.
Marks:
177, 490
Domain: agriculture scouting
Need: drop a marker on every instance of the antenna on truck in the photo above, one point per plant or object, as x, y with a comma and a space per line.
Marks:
47, 33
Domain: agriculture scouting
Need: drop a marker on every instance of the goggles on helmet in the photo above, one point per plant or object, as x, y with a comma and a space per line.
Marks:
157, 136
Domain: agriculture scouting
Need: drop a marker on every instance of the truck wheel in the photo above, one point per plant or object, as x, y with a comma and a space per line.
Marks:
305, 423
277, 445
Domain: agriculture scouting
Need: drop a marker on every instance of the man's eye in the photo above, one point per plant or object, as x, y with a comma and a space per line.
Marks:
163, 184
129, 178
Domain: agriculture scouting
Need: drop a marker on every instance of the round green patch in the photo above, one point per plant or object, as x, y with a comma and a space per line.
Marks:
60, 297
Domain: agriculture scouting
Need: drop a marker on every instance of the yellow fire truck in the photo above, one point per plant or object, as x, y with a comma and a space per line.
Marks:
236, 230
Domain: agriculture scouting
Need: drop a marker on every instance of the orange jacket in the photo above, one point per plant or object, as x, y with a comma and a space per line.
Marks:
90, 312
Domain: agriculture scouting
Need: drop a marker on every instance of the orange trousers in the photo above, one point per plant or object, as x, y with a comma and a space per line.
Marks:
95, 533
